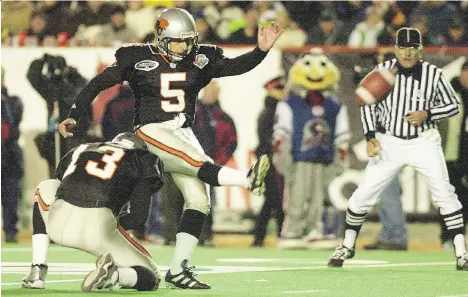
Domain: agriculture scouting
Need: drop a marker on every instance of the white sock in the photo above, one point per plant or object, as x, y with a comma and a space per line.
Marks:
40, 247
350, 238
127, 277
232, 177
459, 243
185, 245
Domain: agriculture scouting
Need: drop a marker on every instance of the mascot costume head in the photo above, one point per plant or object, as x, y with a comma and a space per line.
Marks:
313, 75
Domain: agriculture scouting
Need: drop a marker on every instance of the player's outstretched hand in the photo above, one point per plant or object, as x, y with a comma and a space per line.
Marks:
268, 35
373, 147
66, 126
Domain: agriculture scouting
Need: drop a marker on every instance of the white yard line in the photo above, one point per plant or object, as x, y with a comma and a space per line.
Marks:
372, 266
464, 295
49, 281
304, 291
28, 249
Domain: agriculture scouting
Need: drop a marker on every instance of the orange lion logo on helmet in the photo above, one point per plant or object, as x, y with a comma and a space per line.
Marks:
162, 25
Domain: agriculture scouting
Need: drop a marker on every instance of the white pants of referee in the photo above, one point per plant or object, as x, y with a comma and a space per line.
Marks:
424, 154
182, 156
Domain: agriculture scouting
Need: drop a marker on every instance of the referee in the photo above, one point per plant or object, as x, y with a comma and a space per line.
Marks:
402, 130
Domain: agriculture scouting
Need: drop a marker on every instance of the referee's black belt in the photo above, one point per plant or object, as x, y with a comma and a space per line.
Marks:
409, 137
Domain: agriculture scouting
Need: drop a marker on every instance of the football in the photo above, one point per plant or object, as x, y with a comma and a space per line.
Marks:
375, 86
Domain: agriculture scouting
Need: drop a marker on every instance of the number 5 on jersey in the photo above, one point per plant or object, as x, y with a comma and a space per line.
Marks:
167, 92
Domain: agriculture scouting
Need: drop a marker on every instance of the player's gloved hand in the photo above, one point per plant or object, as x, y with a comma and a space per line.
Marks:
267, 36
417, 117
373, 147
66, 126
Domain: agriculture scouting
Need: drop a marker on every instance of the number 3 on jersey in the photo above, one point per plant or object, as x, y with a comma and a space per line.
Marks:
167, 92
110, 160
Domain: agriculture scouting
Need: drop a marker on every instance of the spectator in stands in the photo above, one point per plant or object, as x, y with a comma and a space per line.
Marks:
37, 28
351, 13
16, 15
365, 33
304, 13
140, 18
267, 10
440, 15
222, 16
216, 132
420, 23
118, 115
273, 202
248, 34
329, 31
388, 35
93, 13
58, 84
456, 35
117, 32
394, 16
206, 34
57, 17
293, 36
12, 162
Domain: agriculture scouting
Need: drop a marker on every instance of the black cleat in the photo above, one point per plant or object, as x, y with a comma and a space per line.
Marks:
341, 253
185, 279
462, 262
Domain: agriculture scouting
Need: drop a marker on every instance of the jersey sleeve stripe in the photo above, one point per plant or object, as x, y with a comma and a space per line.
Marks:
169, 149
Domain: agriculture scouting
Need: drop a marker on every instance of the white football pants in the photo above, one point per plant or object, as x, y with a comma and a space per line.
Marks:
182, 156
95, 230
424, 154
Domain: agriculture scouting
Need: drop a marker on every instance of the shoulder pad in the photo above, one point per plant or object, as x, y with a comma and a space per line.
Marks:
130, 50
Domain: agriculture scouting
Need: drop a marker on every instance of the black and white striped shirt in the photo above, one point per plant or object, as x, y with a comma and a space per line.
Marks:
422, 87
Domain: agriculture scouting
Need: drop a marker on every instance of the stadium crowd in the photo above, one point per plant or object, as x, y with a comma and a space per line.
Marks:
352, 23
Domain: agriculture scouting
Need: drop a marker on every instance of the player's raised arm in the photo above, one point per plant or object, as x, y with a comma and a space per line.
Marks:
266, 38
106, 79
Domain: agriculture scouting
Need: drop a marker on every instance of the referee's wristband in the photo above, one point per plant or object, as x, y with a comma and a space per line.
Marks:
369, 135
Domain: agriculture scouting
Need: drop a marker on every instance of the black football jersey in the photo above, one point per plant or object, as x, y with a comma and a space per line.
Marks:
163, 89
104, 174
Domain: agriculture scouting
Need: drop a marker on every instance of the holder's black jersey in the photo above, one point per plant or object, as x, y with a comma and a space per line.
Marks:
163, 89
105, 175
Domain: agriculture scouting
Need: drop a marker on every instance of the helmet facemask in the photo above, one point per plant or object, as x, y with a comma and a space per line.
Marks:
164, 46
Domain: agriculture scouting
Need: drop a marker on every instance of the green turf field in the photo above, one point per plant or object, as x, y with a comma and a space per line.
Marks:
260, 272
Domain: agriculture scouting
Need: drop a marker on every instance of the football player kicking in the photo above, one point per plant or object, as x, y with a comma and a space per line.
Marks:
166, 78
97, 179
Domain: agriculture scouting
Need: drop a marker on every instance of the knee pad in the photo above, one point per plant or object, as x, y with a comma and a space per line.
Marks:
146, 279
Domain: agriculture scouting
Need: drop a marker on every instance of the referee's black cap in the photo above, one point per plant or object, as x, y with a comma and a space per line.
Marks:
408, 37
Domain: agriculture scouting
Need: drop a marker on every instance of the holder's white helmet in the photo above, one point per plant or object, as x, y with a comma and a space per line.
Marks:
175, 24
